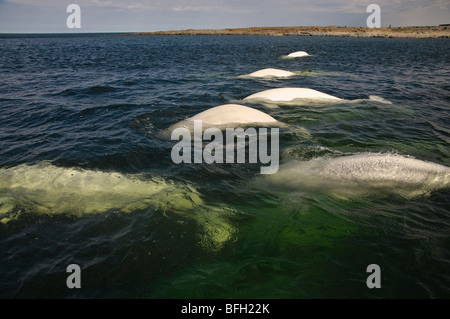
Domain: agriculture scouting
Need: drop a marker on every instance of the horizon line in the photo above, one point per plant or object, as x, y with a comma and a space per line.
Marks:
79, 31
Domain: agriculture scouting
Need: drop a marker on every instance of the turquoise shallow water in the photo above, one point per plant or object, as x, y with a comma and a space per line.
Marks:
97, 103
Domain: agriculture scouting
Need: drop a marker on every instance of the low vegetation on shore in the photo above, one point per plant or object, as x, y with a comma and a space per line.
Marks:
442, 31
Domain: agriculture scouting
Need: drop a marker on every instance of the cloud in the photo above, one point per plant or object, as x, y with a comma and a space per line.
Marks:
197, 5
153, 15
327, 6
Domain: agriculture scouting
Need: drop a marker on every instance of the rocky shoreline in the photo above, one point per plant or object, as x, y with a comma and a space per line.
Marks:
442, 31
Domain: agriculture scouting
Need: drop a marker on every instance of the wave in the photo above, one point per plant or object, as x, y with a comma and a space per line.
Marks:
92, 90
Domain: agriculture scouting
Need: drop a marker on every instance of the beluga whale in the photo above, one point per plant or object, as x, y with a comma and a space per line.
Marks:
271, 73
46, 189
297, 54
227, 115
218, 131
233, 114
360, 175
290, 96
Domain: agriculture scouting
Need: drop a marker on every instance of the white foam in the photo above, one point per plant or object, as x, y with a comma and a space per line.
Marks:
360, 175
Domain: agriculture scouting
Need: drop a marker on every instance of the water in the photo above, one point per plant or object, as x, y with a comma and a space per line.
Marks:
80, 117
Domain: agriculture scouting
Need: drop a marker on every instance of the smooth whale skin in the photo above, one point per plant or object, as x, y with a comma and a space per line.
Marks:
365, 174
224, 116
297, 54
232, 114
227, 115
271, 73
47, 189
289, 95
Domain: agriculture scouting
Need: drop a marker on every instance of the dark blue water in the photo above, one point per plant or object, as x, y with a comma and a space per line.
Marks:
98, 102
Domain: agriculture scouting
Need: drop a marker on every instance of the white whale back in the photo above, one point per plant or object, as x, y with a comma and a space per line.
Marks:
361, 174
297, 54
269, 72
224, 116
229, 115
232, 113
290, 94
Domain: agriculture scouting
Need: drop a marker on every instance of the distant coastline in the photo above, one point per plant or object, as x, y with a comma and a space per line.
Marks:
442, 31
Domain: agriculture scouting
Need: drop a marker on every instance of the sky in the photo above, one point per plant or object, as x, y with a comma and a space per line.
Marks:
49, 16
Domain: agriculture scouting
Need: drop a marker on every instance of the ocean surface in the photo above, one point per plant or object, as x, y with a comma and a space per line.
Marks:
87, 178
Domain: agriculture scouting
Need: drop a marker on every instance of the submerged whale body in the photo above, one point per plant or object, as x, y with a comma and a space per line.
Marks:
281, 95
360, 175
297, 54
57, 190
271, 73
51, 190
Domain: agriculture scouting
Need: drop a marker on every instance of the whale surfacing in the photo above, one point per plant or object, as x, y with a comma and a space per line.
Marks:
232, 114
365, 174
289, 95
227, 115
269, 72
297, 54
222, 117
